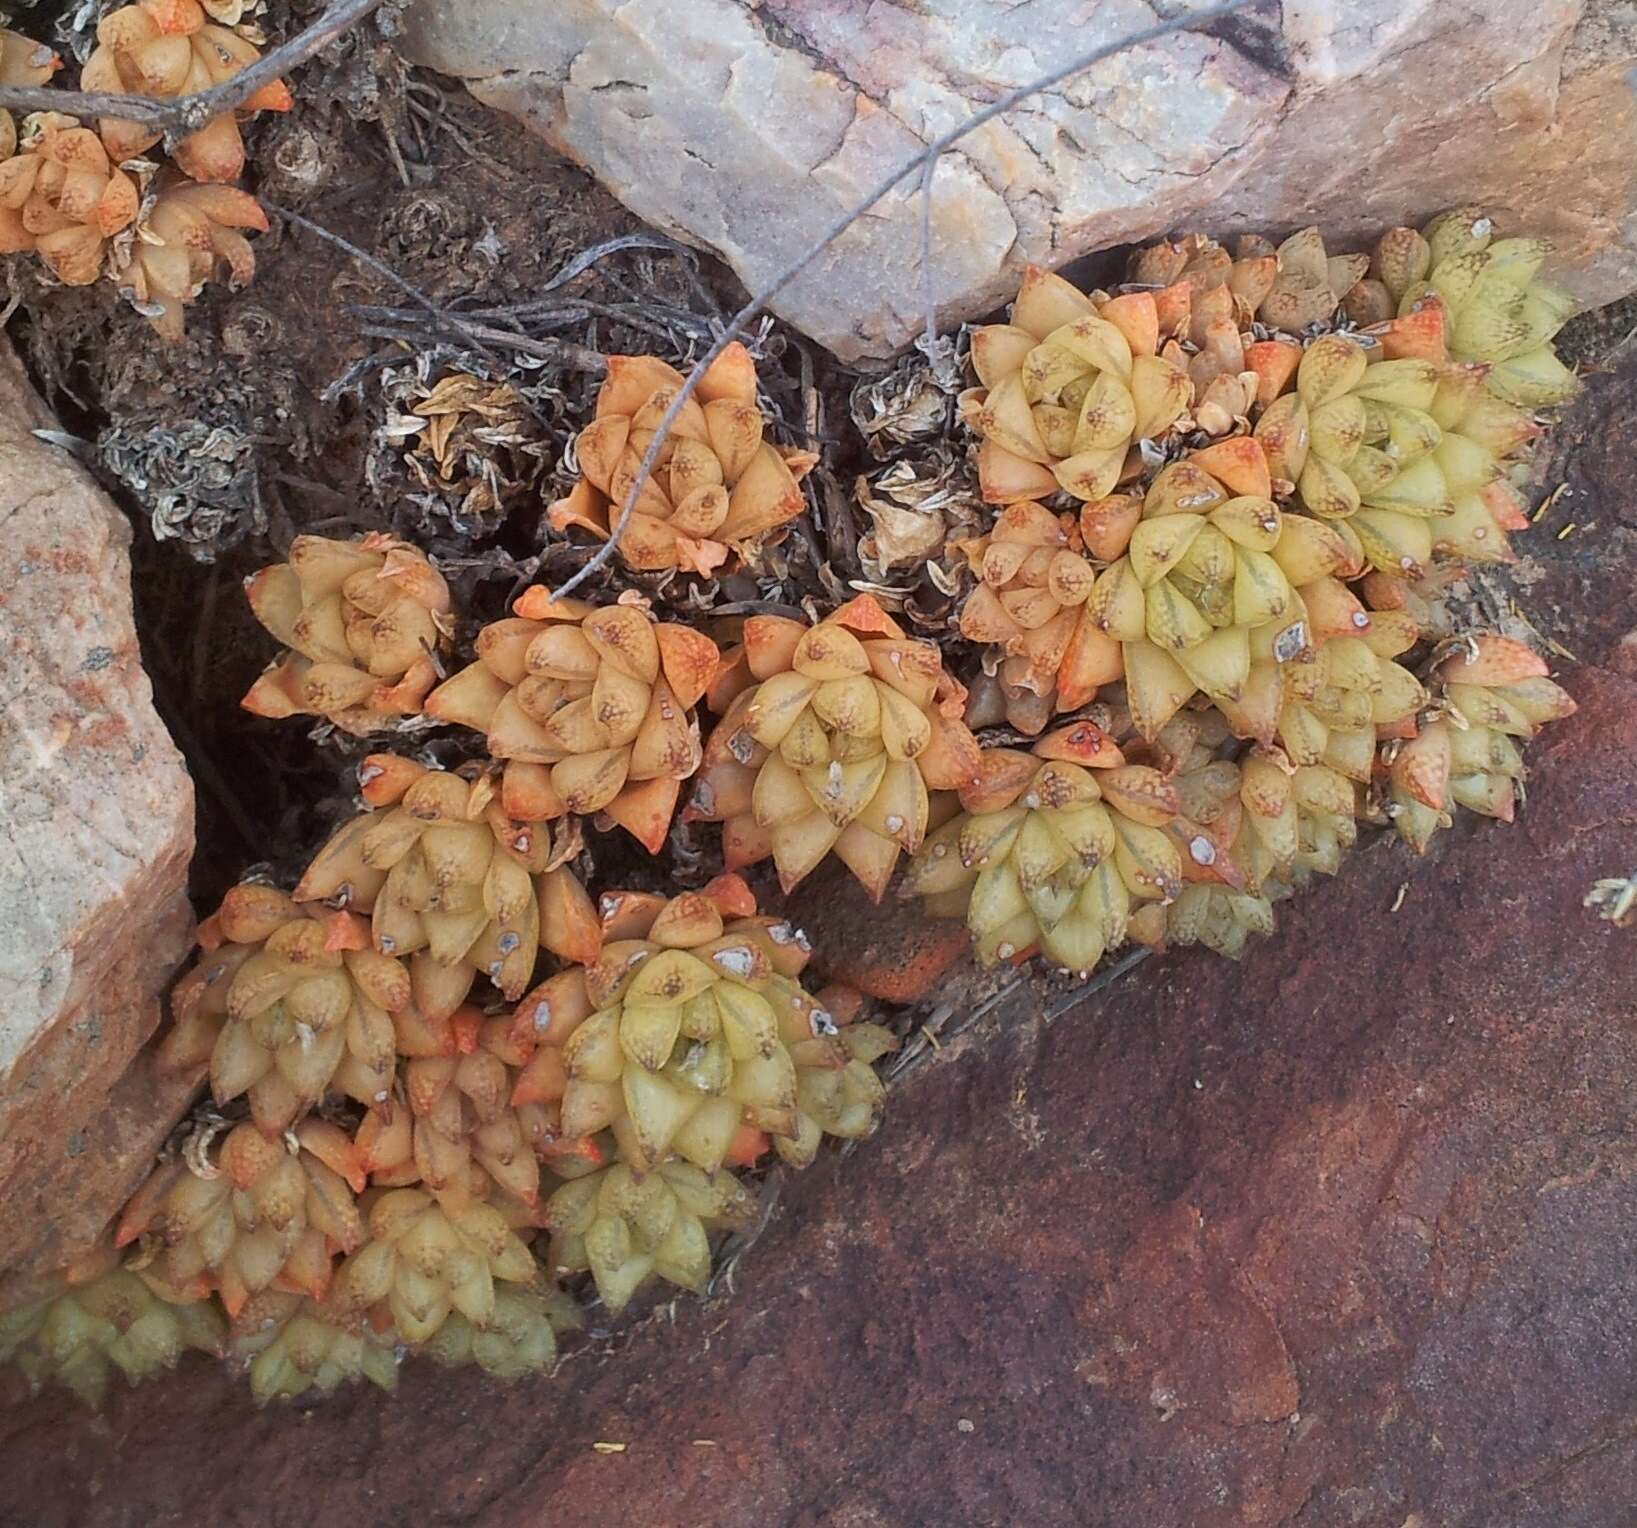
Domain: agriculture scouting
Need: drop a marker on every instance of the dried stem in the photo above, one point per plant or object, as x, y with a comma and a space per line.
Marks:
441, 316
1187, 22
187, 114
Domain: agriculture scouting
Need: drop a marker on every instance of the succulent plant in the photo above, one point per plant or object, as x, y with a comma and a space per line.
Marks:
168, 48
1500, 311
22, 62
718, 482
285, 1002
1326, 683
186, 233
258, 1216
1228, 628
1053, 849
520, 1336
1492, 692
592, 710
288, 1344
1409, 451
461, 1136
451, 883
363, 620
844, 728
105, 1320
62, 196
420, 1263
1068, 386
625, 1227
690, 1036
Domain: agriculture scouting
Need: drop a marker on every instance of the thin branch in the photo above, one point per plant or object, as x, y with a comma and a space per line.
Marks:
1187, 22
188, 113
441, 316
564, 353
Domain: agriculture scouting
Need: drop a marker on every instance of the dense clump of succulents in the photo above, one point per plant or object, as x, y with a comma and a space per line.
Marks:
87, 201
1213, 613
102, 1319
1370, 414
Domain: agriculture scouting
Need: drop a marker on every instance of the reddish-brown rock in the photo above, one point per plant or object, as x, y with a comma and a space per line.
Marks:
1345, 1234
96, 827
886, 949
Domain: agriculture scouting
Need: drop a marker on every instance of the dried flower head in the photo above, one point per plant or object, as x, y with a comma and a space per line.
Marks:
835, 746
718, 483
168, 48
592, 708
364, 621
472, 443
61, 196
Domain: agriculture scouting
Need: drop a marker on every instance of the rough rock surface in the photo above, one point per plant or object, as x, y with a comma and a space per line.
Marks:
96, 827
748, 128
1345, 1234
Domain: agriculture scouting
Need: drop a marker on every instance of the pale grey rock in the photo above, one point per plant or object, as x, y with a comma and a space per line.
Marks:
748, 128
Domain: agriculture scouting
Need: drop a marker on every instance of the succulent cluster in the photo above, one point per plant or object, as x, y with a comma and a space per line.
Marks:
1237, 612
89, 202
418, 1172
1210, 628
833, 739
363, 622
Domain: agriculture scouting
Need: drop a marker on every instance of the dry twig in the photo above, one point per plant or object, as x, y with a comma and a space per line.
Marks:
440, 316
1187, 22
188, 113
